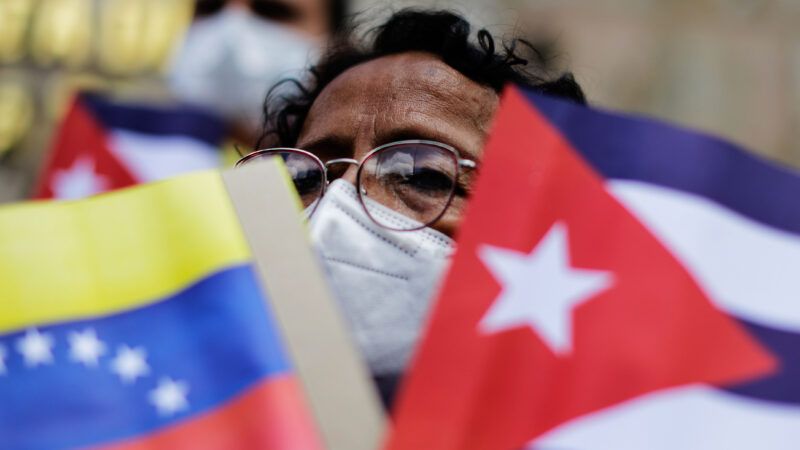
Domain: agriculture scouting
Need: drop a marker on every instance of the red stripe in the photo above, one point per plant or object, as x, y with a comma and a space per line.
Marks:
270, 415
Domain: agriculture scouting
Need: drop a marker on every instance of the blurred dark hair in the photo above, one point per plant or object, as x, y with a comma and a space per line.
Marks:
442, 33
337, 15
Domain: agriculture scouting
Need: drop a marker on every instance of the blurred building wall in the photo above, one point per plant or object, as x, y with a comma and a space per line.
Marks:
729, 67
481, 13
49, 49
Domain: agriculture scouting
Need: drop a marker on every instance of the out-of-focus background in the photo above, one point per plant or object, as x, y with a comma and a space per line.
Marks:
729, 67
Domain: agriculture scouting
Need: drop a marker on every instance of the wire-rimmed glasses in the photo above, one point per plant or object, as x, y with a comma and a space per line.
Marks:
416, 178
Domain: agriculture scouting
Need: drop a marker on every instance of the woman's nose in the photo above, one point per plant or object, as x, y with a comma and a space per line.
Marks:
350, 175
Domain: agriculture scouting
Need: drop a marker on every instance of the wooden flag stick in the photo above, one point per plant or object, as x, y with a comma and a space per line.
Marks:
335, 380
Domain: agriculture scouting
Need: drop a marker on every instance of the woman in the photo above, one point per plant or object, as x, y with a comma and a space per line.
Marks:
383, 144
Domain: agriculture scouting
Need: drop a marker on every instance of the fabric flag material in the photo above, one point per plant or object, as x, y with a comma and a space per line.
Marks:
103, 145
133, 320
619, 284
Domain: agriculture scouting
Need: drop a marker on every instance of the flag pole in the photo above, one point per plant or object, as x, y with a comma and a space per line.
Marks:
336, 382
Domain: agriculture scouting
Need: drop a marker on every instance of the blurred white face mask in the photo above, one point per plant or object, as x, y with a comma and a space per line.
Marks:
383, 279
229, 61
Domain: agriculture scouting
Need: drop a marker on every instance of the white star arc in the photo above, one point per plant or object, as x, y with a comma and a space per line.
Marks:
169, 397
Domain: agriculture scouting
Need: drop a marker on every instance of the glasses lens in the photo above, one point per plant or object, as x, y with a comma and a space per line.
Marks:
416, 180
306, 172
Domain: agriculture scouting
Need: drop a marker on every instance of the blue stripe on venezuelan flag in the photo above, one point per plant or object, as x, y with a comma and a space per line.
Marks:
227, 345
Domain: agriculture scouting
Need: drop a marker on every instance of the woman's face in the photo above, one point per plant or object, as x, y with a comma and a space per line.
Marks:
398, 97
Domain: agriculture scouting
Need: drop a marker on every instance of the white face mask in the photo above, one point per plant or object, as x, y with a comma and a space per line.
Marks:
383, 279
229, 61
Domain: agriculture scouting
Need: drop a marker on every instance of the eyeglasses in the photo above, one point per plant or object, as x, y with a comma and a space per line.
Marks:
416, 178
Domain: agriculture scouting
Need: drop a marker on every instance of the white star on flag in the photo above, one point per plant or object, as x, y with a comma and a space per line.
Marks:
130, 363
169, 397
84, 347
36, 348
540, 289
3, 354
79, 181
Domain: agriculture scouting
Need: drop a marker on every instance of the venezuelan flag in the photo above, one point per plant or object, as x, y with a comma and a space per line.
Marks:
133, 320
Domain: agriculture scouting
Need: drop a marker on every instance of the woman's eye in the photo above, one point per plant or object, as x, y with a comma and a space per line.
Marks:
305, 186
429, 180
308, 183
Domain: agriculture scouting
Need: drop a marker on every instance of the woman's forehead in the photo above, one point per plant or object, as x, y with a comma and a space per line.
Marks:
404, 90
421, 70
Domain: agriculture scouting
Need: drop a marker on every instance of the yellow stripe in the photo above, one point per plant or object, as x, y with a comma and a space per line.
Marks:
63, 261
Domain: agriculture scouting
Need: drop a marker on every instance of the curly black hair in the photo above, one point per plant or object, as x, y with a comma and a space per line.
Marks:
442, 33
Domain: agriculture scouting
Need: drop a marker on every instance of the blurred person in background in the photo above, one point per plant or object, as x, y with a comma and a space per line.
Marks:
383, 142
128, 55
235, 49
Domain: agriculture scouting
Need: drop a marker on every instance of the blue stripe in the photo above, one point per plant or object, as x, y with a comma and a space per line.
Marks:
180, 120
634, 148
784, 385
216, 336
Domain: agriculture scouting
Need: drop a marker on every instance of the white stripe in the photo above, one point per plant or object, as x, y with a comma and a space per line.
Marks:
155, 157
688, 418
747, 268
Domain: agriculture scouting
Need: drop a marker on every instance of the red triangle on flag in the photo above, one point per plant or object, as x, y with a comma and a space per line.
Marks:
496, 371
81, 162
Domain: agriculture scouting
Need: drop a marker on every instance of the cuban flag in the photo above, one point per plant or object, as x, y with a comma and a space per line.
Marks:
619, 284
102, 145
134, 321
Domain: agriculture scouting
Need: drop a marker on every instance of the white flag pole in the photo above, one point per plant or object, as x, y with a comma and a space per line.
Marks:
335, 380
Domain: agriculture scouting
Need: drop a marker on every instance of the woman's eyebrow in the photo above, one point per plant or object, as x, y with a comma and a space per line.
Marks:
405, 134
328, 147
